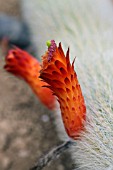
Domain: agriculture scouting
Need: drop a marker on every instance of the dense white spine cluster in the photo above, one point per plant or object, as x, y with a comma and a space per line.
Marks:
87, 27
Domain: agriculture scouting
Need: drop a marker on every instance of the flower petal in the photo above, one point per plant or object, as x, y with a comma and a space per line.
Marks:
23, 65
64, 83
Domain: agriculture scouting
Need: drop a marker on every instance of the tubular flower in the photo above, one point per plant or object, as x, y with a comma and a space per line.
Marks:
23, 65
62, 79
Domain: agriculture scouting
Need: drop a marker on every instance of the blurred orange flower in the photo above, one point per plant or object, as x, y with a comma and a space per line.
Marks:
23, 65
62, 79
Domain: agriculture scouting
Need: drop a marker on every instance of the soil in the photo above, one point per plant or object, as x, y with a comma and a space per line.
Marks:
26, 128
10, 7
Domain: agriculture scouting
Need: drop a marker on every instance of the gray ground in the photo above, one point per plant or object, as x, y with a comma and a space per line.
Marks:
26, 128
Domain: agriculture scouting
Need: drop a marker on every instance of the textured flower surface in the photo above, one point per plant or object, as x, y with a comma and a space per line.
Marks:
60, 75
23, 65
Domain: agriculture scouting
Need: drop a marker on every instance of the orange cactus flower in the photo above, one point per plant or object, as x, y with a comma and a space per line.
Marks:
62, 79
23, 65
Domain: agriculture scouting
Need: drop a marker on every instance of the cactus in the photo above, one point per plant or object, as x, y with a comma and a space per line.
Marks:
87, 27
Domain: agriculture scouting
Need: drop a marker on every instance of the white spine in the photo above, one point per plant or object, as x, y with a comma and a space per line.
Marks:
87, 27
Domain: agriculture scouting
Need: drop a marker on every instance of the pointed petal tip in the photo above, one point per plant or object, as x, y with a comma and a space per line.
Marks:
67, 54
73, 61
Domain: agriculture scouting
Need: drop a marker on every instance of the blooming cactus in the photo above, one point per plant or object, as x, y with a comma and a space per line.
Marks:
23, 65
87, 26
60, 75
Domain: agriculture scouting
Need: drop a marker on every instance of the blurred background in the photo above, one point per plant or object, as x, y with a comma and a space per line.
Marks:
28, 129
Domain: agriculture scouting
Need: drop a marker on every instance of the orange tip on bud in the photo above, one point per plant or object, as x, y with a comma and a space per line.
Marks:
25, 66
